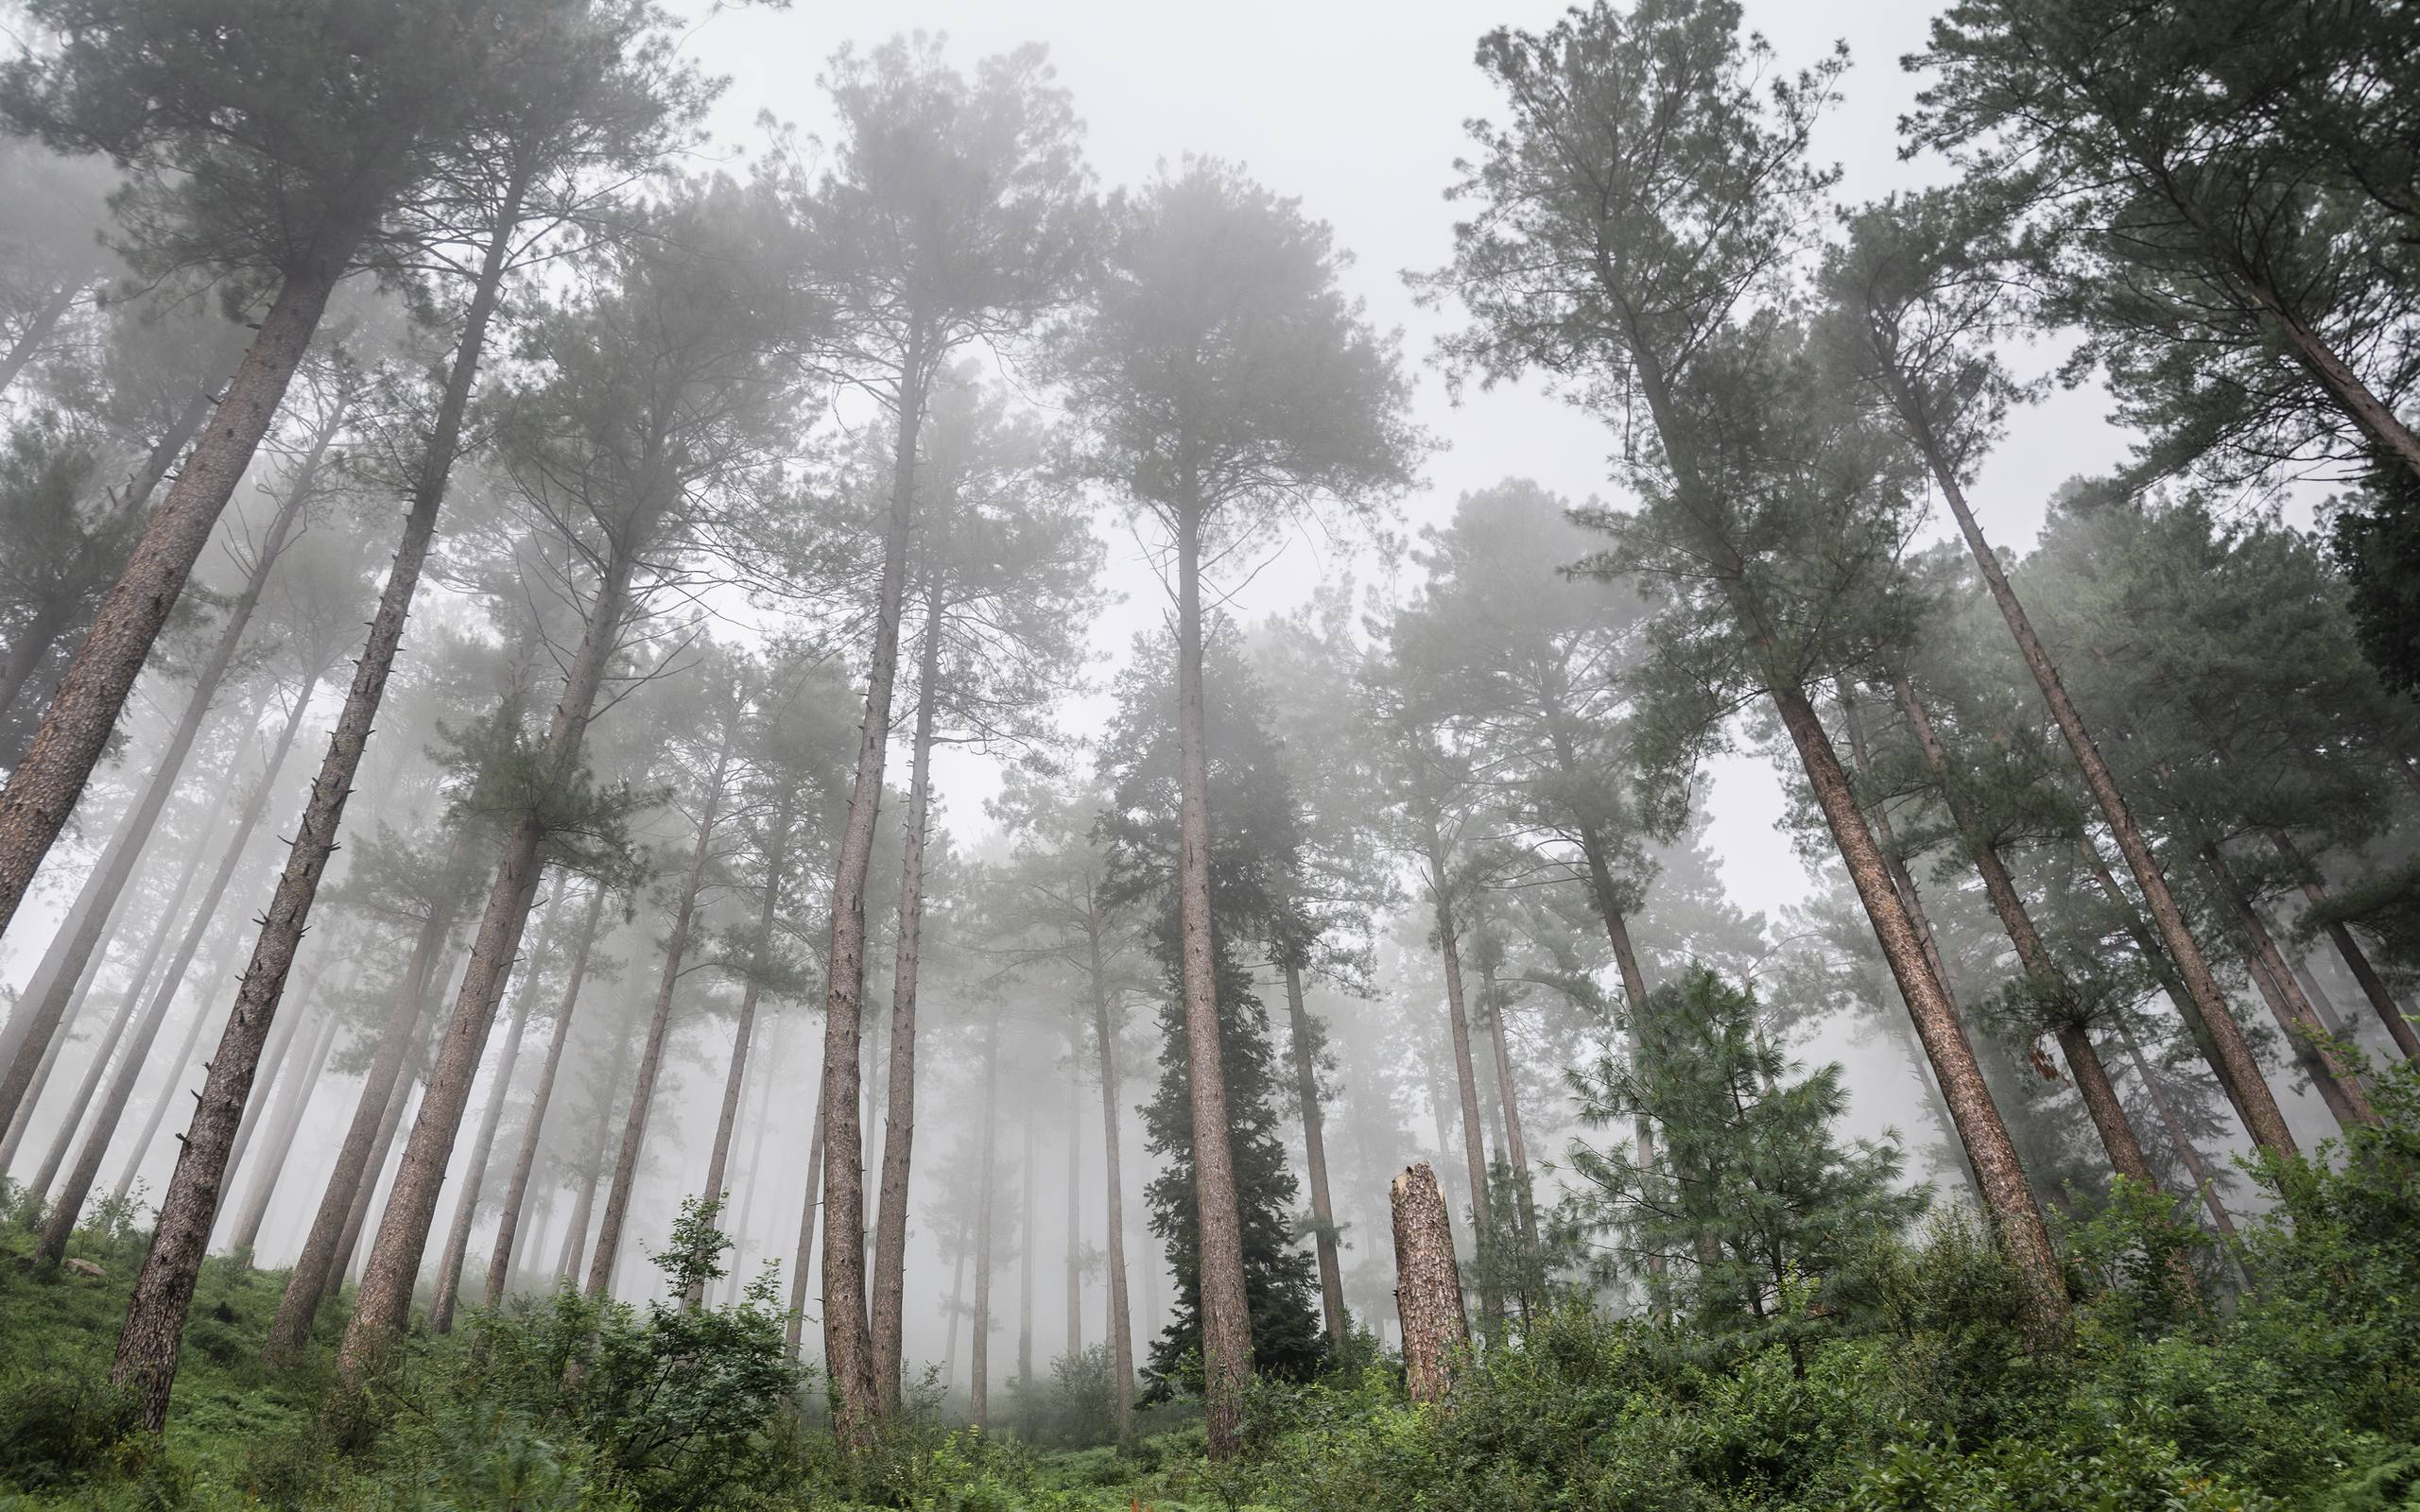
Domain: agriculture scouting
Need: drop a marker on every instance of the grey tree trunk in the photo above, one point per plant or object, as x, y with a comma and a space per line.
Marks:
744, 1029
1491, 1305
1122, 1337
43, 790
1074, 1217
1307, 1094
168, 1088
979, 1365
516, 1194
576, 1235
356, 1216
2187, 1151
1028, 1241
2341, 1089
2349, 950
808, 1206
1428, 1285
37, 331
1517, 1151
247, 1236
146, 1354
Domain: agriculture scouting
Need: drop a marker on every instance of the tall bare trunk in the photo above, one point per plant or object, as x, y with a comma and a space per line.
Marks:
776, 854
1122, 1337
1075, 1217
2349, 950
760, 1120
808, 1206
466, 1201
2341, 1089
956, 1310
87, 1169
718, 1162
899, 1126
540, 1098
609, 1098
1307, 1094
2232, 1061
356, 1217
987, 1182
146, 1354
1490, 1302
42, 791
290, 1123
277, 1057
1028, 1241
1226, 1316
167, 1098
1517, 1151
2187, 1151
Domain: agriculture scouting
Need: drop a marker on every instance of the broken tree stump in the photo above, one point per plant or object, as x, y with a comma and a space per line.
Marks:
1428, 1284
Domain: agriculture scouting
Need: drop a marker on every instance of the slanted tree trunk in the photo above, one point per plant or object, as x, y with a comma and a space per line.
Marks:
658, 1031
1306, 1094
118, 864
2341, 1089
37, 330
1428, 1285
754, 1180
540, 1098
609, 1098
275, 1061
356, 1216
466, 1202
899, 1126
2356, 960
384, 1304
1122, 1337
168, 1088
76, 729
2232, 1059
87, 1169
987, 1181
1491, 1305
2187, 1151
795, 1332
1226, 1316
246, 1239
355, 1163
777, 845
726, 1121
146, 1354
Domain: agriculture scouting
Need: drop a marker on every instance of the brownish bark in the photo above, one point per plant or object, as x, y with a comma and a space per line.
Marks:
575, 1232
899, 1124
76, 729
516, 1193
146, 1354
2356, 960
2337, 1085
2232, 1061
357, 1213
776, 855
1306, 1095
1428, 1285
1226, 1317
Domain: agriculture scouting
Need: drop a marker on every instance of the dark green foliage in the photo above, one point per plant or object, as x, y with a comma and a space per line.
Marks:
2375, 537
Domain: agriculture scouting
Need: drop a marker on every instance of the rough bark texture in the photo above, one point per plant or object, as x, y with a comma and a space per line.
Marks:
87, 1169
1226, 1317
76, 729
164, 1290
658, 1032
1428, 1285
1998, 1175
899, 1123
1307, 1094
357, 1213
2232, 1061
776, 856
277, 1057
170, 1087
848, 1325
541, 1097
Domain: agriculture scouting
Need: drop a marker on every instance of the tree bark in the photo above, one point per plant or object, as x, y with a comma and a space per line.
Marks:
1122, 1337
2195, 1167
146, 1355
356, 1216
609, 1098
169, 1088
289, 1122
1999, 1176
1491, 1303
87, 1169
540, 1098
1027, 1244
384, 1304
1075, 1217
1515, 1149
2356, 960
2235, 1066
899, 1126
1307, 1092
277, 1057
1428, 1285
43, 790
796, 1330
1226, 1316
2337, 1084
658, 1031
466, 1202
776, 854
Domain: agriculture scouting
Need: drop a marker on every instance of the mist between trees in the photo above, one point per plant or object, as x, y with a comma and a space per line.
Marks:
501, 593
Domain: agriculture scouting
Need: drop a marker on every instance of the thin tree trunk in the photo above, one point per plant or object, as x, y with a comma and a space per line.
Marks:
384, 1304
76, 729
979, 1365
1491, 1303
1428, 1285
466, 1202
2356, 960
2232, 1061
87, 1169
1122, 1337
290, 1123
540, 1098
777, 845
759, 1119
169, 1089
1226, 1316
2341, 1089
795, 1331
609, 1098
1028, 1241
899, 1126
956, 1306
356, 1216
146, 1353
275, 1058
2195, 1166
1306, 1094
1075, 1219
118, 863
37, 330
355, 1164
1515, 1149
734, 1084
658, 1031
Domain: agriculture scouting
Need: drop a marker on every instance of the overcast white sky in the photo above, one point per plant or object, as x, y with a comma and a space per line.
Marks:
1357, 108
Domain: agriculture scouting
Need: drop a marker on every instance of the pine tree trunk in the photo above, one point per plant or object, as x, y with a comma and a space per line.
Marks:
899, 1126
118, 864
146, 1352
87, 1169
541, 1097
1027, 1242
2195, 1166
246, 1239
849, 1348
1490, 1302
609, 1098
1515, 1148
37, 331
277, 1057
356, 1216
957, 1307
1306, 1094
776, 855
1122, 1337
1226, 1316
83, 712
1428, 1285
1074, 1217
384, 1304
718, 1162
760, 1120
795, 1331
466, 1202
1998, 1174
2356, 960
166, 1099
2337, 1085
2232, 1061
355, 1163
979, 1365
658, 1031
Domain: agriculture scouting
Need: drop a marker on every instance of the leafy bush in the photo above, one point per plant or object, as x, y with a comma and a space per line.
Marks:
61, 1430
